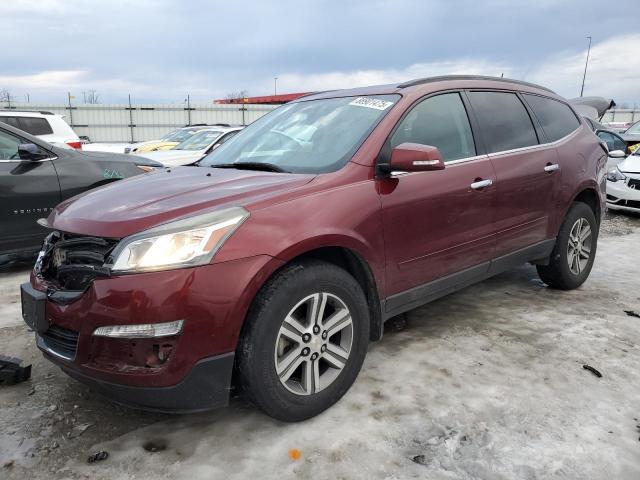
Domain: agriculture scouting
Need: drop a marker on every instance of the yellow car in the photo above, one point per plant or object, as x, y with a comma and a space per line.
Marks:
167, 142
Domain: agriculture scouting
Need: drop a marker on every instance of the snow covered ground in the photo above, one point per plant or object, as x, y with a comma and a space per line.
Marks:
487, 383
106, 147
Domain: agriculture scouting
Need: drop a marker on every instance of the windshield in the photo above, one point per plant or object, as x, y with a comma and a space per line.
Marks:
199, 140
635, 128
315, 136
179, 135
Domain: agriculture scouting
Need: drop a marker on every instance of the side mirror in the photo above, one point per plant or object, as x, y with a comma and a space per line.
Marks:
617, 154
30, 151
415, 157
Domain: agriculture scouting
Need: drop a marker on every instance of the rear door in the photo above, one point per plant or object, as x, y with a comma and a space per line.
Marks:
28, 191
527, 173
435, 224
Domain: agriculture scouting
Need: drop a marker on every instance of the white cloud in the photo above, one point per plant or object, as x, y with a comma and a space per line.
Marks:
332, 80
613, 70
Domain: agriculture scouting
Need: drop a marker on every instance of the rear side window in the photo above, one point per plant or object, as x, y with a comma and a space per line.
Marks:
439, 121
556, 119
13, 121
35, 126
504, 121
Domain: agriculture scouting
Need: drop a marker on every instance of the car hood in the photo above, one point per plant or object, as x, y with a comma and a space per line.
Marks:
174, 158
631, 164
107, 157
132, 205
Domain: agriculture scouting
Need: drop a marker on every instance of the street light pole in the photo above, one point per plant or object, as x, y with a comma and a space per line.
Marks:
275, 86
585, 67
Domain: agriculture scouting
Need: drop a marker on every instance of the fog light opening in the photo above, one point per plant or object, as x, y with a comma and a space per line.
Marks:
145, 330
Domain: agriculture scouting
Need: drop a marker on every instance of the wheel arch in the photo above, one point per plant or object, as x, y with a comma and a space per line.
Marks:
337, 253
590, 196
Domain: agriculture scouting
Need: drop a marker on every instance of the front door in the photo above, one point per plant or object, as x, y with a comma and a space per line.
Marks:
28, 191
437, 223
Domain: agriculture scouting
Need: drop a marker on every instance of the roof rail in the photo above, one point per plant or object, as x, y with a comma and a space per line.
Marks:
13, 110
442, 78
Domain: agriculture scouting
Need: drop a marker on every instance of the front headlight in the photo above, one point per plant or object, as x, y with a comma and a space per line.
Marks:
184, 243
615, 175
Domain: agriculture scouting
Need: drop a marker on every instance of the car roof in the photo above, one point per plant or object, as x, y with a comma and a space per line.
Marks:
24, 113
469, 81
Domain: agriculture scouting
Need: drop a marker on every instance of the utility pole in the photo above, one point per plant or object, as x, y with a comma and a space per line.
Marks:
275, 86
586, 63
188, 109
69, 97
131, 119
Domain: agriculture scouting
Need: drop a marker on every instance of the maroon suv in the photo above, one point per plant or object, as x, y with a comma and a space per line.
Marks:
271, 265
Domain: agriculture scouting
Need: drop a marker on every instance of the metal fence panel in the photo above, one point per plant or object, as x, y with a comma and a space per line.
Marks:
621, 115
140, 122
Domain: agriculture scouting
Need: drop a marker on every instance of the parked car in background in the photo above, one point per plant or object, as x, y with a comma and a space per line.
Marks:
623, 185
35, 176
45, 125
616, 145
618, 127
276, 260
632, 136
195, 147
170, 140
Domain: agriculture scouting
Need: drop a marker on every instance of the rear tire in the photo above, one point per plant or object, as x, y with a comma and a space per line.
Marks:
575, 250
305, 339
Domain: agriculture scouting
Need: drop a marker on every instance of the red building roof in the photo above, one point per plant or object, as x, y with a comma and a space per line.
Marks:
267, 99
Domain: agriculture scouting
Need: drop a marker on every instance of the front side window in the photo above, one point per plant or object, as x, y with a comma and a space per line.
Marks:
504, 121
441, 122
9, 147
199, 141
613, 141
556, 119
313, 136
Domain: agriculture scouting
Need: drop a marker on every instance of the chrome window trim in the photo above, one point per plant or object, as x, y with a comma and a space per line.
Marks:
20, 160
535, 147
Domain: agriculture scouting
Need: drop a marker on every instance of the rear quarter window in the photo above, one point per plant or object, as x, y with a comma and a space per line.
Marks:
35, 126
556, 119
503, 120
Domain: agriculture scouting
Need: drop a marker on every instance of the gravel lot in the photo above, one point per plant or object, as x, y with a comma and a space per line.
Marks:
487, 383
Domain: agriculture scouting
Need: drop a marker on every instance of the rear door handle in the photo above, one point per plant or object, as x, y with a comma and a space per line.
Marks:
480, 184
551, 167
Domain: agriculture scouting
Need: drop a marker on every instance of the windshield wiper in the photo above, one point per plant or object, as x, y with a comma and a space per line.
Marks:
266, 167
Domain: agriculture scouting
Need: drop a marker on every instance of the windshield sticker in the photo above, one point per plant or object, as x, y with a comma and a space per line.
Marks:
371, 103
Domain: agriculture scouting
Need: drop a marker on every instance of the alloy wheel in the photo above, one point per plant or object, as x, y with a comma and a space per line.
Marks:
313, 344
579, 246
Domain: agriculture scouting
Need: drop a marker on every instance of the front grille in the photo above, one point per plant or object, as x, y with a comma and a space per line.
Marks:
72, 262
61, 341
633, 203
634, 182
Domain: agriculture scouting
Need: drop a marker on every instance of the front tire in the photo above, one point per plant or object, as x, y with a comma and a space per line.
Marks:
304, 342
575, 250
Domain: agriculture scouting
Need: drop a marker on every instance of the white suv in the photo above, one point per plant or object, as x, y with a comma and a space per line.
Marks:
46, 125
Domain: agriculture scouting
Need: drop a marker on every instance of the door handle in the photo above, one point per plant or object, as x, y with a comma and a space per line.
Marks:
480, 184
551, 167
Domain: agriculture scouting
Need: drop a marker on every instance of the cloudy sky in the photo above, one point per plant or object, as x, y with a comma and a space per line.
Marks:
160, 50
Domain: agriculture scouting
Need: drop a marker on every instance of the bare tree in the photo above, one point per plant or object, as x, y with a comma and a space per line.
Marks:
5, 95
239, 95
90, 97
